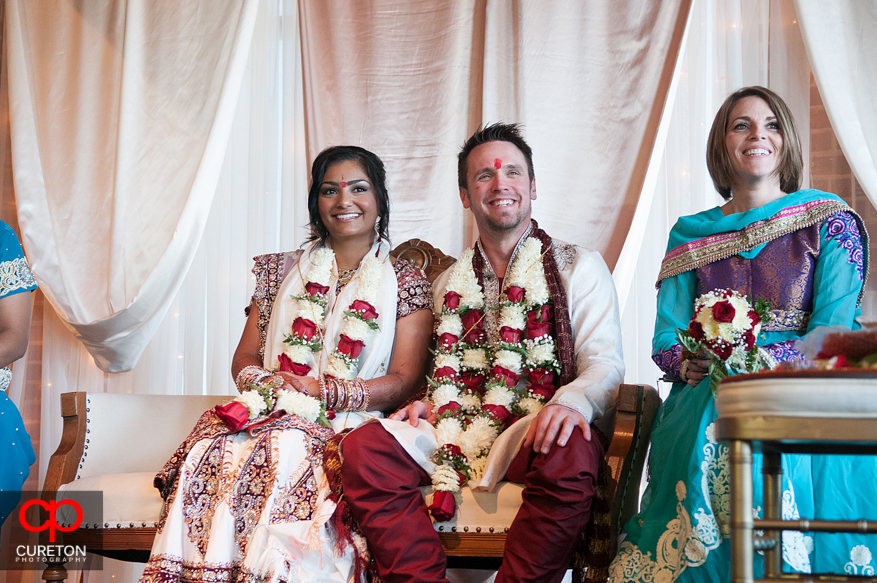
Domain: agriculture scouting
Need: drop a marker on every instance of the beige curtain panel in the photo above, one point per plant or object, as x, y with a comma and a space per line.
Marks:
120, 113
412, 81
119, 118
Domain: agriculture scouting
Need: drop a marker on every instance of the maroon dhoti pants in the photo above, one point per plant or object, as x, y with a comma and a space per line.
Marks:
381, 482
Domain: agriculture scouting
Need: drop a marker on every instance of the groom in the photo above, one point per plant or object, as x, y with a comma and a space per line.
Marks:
555, 453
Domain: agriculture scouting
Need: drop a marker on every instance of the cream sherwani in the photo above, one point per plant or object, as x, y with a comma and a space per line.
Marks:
596, 329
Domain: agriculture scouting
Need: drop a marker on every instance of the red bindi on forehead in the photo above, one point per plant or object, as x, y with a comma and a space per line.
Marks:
343, 183
497, 163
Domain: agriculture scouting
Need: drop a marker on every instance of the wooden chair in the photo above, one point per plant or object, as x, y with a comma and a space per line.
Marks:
117, 442
431, 260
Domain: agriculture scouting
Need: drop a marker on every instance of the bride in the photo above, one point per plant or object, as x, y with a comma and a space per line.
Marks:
341, 321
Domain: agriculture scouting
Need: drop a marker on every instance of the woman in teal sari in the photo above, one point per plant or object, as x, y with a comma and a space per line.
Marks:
805, 252
16, 452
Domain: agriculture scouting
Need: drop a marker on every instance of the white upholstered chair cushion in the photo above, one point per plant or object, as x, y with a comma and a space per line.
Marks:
129, 500
483, 511
128, 440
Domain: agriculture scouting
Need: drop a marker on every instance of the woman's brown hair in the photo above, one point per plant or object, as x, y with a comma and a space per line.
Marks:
718, 161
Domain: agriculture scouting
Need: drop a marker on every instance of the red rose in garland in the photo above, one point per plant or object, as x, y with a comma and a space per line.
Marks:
545, 393
452, 408
351, 348
511, 335
286, 365
505, 375
304, 328
473, 381
366, 310
447, 340
443, 506
443, 373
541, 377
539, 322
314, 289
473, 327
515, 293
452, 300
499, 412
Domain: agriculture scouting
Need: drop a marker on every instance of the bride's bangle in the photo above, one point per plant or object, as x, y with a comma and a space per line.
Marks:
250, 375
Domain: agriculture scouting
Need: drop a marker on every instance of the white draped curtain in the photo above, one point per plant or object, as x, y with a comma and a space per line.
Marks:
119, 116
585, 78
729, 44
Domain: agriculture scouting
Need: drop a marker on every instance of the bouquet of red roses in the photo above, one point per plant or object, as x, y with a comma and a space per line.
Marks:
725, 325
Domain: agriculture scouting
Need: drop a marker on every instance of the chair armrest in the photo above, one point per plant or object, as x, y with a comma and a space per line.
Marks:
65, 461
635, 412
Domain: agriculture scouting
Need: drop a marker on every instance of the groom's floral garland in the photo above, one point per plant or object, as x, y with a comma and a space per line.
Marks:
360, 318
474, 386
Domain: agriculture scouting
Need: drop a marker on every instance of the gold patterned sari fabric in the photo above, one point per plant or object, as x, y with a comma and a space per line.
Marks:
782, 273
695, 254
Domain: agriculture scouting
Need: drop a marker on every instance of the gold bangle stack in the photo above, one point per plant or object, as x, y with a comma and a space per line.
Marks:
250, 375
341, 395
358, 391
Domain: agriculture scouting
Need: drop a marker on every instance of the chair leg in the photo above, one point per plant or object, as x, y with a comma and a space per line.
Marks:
741, 512
55, 571
772, 471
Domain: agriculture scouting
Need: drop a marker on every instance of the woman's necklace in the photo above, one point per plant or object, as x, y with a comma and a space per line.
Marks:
344, 277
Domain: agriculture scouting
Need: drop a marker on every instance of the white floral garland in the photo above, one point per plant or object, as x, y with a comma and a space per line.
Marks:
466, 431
355, 325
293, 402
311, 307
358, 323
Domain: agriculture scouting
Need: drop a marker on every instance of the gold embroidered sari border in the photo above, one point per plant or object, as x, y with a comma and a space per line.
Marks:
787, 321
700, 252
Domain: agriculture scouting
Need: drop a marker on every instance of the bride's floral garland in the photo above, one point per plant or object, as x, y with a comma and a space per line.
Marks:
360, 318
474, 385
